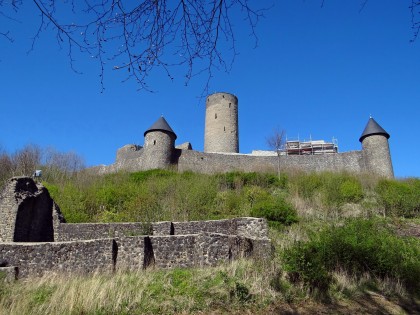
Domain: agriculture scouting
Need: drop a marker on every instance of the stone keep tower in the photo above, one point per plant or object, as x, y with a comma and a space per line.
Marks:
375, 148
159, 145
221, 130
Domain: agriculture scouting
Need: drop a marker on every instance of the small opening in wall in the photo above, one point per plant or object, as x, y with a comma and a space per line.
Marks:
224, 128
154, 142
215, 116
202, 158
230, 104
223, 96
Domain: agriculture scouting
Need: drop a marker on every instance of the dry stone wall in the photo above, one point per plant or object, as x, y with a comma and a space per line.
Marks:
130, 253
88, 231
35, 259
32, 221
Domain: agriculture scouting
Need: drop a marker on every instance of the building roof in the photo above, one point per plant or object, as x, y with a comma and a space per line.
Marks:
160, 125
373, 128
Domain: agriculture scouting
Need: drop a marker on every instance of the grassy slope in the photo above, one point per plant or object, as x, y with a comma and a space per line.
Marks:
317, 239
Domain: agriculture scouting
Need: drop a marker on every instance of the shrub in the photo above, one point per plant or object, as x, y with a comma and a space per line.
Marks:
275, 210
236, 180
144, 175
399, 198
351, 190
357, 247
334, 189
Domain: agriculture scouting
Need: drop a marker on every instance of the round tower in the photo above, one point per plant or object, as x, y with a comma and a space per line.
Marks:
159, 145
375, 147
221, 130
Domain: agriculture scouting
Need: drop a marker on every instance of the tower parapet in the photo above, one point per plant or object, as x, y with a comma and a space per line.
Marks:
376, 153
221, 129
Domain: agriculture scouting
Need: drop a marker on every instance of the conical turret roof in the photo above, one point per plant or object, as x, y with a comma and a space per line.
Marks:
160, 125
373, 128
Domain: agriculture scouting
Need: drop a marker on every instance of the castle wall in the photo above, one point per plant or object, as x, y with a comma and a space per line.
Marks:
127, 152
221, 127
210, 163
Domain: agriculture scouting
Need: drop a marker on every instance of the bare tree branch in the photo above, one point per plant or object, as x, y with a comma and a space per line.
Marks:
140, 36
276, 142
415, 18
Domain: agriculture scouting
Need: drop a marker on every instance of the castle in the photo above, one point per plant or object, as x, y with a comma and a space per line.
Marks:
221, 149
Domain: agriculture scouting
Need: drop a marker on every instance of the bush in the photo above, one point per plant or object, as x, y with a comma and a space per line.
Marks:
275, 210
400, 198
335, 189
359, 246
236, 180
138, 177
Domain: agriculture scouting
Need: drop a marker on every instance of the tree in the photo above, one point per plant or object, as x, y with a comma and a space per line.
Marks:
136, 36
276, 142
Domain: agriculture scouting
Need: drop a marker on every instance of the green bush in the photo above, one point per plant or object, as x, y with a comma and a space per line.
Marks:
144, 175
236, 180
335, 189
357, 247
400, 198
275, 210
351, 190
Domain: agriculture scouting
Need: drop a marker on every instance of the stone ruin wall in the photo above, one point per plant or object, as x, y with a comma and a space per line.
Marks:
88, 247
243, 227
135, 252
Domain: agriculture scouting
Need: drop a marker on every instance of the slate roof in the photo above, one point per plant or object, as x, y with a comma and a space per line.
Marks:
160, 125
373, 128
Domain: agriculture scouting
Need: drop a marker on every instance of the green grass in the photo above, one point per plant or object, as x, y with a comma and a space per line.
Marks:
230, 287
333, 233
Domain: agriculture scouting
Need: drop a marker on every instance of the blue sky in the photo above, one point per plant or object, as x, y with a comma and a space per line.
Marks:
317, 72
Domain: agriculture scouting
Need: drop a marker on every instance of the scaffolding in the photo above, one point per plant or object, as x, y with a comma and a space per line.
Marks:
311, 147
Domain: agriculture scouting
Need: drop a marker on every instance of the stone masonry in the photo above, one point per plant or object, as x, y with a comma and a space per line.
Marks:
36, 240
221, 147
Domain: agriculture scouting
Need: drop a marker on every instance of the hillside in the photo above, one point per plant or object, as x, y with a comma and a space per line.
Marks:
342, 244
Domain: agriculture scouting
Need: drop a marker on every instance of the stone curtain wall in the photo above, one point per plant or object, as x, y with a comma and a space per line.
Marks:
210, 163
